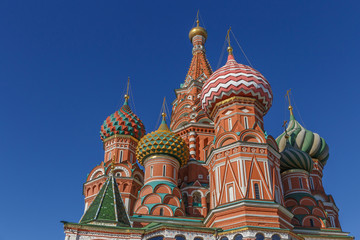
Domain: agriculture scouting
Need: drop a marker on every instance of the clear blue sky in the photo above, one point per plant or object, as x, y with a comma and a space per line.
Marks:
64, 66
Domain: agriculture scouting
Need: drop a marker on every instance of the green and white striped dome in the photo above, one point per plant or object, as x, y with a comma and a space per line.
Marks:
304, 140
293, 158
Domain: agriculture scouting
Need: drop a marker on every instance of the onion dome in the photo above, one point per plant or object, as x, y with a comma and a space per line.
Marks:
197, 31
304, 140
235, 79
123, 122
163, 141
293, 158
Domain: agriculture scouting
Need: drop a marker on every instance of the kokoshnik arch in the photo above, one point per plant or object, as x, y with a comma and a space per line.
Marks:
213, 173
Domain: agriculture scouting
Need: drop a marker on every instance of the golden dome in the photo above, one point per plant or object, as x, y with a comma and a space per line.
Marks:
162, 141
197, 31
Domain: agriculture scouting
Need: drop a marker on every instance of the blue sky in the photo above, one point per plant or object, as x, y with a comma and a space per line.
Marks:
64, 67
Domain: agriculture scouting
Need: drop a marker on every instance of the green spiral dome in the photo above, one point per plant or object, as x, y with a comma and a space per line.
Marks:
293, 158
304, 140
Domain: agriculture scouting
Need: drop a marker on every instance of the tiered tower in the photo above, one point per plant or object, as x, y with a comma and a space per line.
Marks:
120, 134
161, 153
244, 166
190, 122
304, 193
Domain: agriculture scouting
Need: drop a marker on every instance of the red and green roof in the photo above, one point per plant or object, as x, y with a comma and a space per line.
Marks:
123, 122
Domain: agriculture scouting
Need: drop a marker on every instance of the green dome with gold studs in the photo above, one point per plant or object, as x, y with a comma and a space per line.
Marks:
162, 141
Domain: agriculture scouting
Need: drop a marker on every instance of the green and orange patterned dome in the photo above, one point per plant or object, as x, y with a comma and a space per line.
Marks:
123, 122
293, 158
162, 141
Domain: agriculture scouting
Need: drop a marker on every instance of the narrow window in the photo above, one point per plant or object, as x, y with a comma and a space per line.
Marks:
151, 171
109, 155
164, 170
200, 176
257, 192
121, 156
131, 157
214, 200
231, 194
161, 212
311, 183
332, 221
289, 181
300, 182
230, 124
246, 122
311, 222
174, 173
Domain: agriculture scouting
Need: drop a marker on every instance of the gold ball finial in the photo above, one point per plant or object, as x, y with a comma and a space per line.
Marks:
197, 31
163, 115
230, 50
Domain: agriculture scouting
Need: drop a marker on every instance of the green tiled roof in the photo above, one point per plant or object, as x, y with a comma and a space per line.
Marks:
107, 206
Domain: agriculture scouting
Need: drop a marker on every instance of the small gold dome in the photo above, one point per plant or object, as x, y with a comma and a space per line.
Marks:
197, 31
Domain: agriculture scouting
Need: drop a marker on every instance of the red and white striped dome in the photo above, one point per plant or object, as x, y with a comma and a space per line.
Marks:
235, 79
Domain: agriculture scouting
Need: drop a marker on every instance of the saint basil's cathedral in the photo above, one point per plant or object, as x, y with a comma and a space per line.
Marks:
212, 172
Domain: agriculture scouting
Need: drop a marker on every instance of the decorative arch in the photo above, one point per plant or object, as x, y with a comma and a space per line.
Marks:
307, 201
238, 237
96, 173
162, 188
225, 138
139, 176
171, 200
142, 210
180, 237
251, 135
152, 198
299, 210
275, 237
306, 222
179, 212
156, 210
259, 236
147, 189
121, 168
318, 212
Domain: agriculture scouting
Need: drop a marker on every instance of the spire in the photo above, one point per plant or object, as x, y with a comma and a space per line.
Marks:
163, 126
107, 207
290, 107
229, 49
199, 68
126, 96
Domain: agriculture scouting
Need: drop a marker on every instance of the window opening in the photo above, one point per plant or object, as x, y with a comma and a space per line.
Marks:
257, 192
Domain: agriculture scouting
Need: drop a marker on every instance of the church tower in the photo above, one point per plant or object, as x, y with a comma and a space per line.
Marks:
244, 166
190, 122
120, 133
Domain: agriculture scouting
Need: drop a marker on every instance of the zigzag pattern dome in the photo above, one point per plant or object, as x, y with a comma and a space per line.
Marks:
163, 141
235, 79
123, 122
292, 158
304, 140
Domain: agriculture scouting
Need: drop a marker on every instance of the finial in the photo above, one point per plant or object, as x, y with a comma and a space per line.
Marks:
197, 18
163, 126
112, 165
127, 91
284, 126
290, 107
229, 49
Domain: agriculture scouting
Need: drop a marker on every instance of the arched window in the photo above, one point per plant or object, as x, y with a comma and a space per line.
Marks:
238, 237
311, 222
157, 238
131, 157
259, 236
224, 238
198, 238
180, 237
275, 237
257, 191
332, 221
246, 122
151, 171
230, 123
161, 212
164, 170
109, 156
120, 156
197, 199
300, 183
231, 193
174, 173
